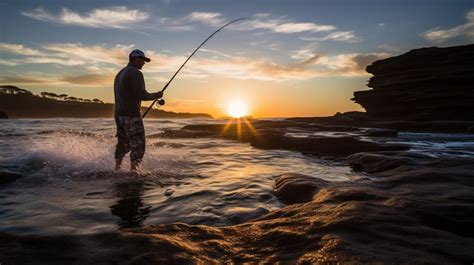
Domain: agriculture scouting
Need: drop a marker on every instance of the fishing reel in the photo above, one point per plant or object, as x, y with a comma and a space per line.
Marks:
160, 102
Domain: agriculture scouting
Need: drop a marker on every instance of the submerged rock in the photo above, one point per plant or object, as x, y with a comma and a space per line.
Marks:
381, 133
297, 188
337, 146
7, 177
183, 133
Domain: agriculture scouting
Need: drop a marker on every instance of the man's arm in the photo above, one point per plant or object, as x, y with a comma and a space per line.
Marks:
138, 85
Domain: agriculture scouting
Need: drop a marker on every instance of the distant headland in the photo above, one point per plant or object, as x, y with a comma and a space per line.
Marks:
20, 103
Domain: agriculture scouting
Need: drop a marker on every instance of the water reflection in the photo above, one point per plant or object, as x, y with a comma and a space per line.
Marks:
129, 205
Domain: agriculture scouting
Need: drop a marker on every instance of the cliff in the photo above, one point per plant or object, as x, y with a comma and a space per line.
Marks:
422, 85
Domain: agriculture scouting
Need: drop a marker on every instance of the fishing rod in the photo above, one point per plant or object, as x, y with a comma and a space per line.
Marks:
161, 101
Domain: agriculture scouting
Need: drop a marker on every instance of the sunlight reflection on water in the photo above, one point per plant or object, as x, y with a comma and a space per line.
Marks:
68, 185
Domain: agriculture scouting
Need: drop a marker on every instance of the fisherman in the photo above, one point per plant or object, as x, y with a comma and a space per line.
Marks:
129, 91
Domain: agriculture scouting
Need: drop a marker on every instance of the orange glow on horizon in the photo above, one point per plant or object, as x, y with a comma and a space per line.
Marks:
237, 109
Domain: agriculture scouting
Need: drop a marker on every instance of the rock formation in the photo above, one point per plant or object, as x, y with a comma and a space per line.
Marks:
423, 84
274, 135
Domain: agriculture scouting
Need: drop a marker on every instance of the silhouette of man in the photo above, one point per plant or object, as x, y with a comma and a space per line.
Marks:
129, 91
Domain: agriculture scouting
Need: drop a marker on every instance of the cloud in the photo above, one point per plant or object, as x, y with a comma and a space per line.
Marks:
266, 45
281, 25
18, 49
213, 19
345, 36
390, 48
113, 17
466, 30
306, 55
351, 64
89, 79
14, 79
116, 55
69, 54
42, 78
8, 62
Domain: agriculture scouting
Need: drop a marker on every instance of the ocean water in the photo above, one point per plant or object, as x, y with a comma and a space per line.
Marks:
69, 187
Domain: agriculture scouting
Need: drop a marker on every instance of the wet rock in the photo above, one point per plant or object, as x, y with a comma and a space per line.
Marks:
327, 128
428, 126
169, 192
263, 124
347, 118
212, 128
3, 115
169, 145
383, 161
297, 188
181, 133
338, 146
381, 133
7, 177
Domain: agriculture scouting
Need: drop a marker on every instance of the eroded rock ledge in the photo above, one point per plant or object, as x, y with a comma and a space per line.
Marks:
423, 84
346, 140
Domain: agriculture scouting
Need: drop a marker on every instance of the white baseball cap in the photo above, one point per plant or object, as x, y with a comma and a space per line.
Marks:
138, 53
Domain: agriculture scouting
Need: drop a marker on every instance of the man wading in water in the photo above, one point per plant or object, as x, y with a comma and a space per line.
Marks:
129, 91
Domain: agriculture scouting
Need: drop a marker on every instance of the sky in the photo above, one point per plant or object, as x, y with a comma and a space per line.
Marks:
291, 58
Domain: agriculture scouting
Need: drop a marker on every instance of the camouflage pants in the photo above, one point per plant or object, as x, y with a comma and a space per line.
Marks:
130, 138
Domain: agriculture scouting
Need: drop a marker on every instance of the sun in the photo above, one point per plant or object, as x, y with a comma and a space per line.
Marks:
237, 109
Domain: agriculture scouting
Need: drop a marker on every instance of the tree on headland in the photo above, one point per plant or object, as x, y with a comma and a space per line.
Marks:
49, 95
13, 90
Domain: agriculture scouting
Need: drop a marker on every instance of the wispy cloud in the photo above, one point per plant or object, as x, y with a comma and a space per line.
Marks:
117, 54
282, 25
390, 48
112, 17
25, 79
213, 19
266, 45
344, 36
305, 55
259, 21
18, 49
89, 79
438, 35
69, 54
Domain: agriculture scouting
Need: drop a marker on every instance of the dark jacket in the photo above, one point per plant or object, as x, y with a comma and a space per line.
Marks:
129, 90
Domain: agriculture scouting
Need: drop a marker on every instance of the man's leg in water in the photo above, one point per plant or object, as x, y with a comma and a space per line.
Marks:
137, 142
123, 145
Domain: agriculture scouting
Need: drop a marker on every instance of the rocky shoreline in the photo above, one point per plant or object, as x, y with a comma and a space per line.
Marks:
411, 208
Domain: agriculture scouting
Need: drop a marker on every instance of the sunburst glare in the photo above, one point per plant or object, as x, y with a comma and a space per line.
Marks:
237, 109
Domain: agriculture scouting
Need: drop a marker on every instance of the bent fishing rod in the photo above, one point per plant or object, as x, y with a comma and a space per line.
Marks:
167, 84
